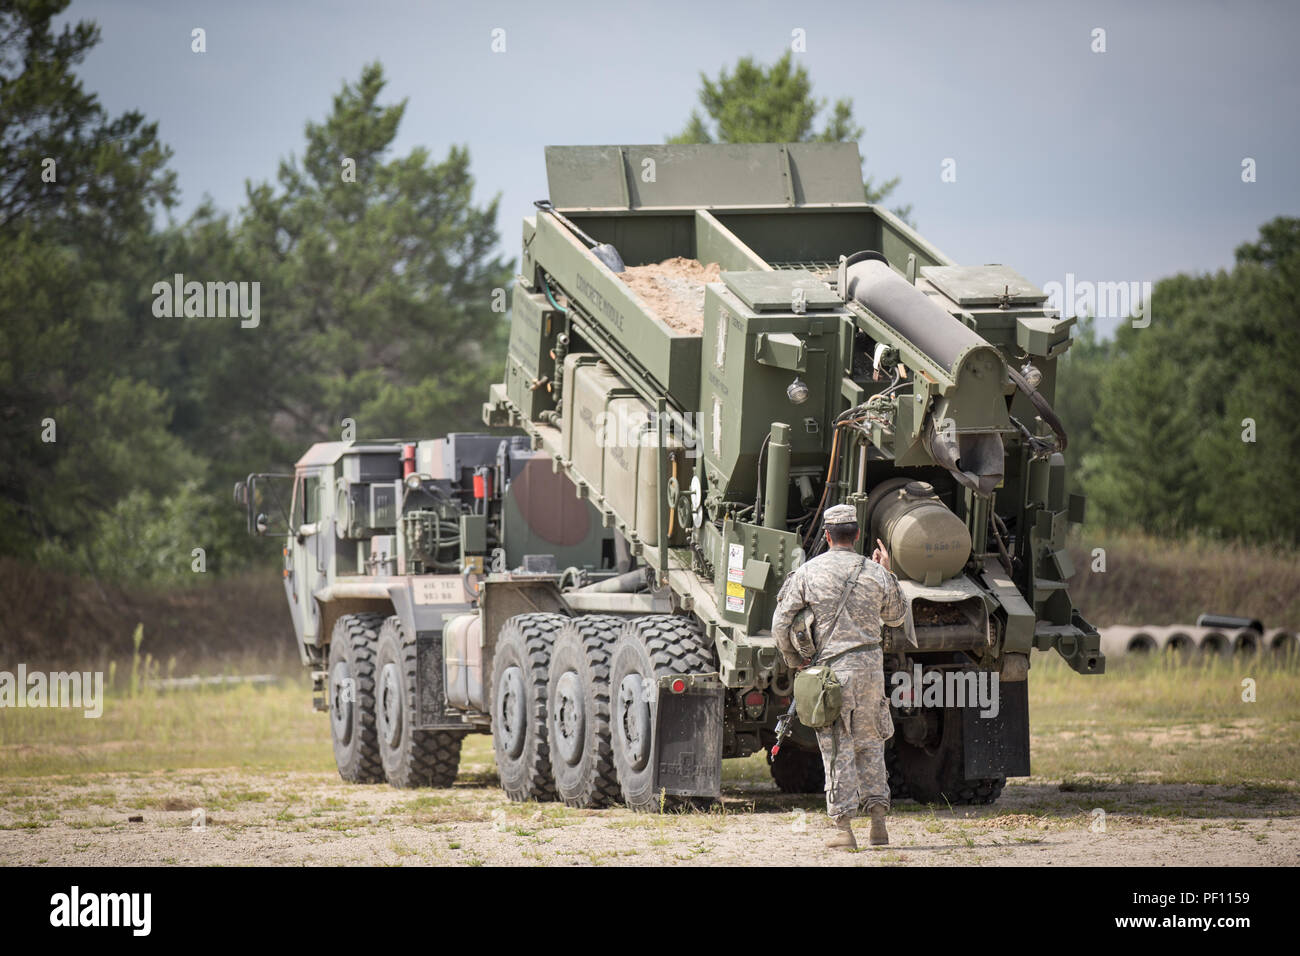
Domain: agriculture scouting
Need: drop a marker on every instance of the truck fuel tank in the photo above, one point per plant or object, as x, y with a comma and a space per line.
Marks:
927, 542
462, 649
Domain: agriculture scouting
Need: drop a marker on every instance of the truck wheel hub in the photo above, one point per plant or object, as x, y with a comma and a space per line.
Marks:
570, 717
342, 693
512, 714
390, 704
633, 721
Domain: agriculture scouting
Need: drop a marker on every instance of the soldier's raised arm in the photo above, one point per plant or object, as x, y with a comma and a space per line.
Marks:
788, 602
892, 609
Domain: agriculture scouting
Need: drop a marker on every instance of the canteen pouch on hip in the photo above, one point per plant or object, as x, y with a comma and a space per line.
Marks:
818, 696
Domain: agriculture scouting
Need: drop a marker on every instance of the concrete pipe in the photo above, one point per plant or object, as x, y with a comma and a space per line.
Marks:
1178, 642
1142, 641
1283, 643
1213, 643
1114, 640
1246, 642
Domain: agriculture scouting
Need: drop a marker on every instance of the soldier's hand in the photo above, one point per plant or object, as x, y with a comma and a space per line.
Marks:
880, 555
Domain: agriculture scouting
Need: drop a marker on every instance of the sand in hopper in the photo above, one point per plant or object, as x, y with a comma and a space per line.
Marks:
674, 290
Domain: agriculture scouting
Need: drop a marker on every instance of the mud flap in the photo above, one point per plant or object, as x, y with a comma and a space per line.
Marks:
688, 737
998, 746
430, 698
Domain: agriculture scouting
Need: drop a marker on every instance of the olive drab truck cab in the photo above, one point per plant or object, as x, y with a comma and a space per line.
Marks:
384, 543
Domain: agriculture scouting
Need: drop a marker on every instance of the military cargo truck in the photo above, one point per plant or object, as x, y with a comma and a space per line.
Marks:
714, 344
709, 346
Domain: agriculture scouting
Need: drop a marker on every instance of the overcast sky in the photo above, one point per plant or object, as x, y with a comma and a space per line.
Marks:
1117, 166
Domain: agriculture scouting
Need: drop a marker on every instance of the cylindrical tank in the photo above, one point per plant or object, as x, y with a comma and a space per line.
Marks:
911, 313
462, 653
926, 541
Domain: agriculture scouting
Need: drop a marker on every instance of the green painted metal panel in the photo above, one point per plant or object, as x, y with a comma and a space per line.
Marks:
703, 177
741, 395
666, 362
714, 242
775, 291
983, 285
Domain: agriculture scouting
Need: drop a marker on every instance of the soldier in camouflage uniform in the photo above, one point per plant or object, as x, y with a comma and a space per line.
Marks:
853, 748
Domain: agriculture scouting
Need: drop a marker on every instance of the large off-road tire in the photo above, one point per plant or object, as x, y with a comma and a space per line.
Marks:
933, 772
648, 648
578, 709
411, 757
352, 697
520, 669
796, 770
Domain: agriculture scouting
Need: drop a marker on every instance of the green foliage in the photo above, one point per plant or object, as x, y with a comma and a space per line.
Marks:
376, 295
108, 173
72, 280
1078, 392
145, 539
1176, 399
376, 305
754, 104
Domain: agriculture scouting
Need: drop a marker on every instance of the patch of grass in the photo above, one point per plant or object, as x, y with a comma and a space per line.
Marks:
268, 728
422, 802
1154, 721
92, 824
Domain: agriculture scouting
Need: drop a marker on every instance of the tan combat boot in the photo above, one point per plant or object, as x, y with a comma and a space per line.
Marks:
843, 838
879, 835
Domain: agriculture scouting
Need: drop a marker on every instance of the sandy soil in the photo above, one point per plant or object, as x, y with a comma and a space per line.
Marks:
674, 290
314, 818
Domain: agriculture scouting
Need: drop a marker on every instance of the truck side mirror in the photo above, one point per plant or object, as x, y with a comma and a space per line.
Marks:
262, 524
241, 493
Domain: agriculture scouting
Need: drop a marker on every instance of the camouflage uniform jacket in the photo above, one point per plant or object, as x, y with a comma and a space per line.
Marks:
875, 599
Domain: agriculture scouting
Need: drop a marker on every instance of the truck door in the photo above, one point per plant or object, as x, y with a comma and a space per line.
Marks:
309, 571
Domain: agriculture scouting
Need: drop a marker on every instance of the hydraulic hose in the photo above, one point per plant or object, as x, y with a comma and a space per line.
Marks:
1040, 404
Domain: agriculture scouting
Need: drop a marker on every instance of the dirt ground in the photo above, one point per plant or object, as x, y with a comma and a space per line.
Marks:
232, 817
674, 290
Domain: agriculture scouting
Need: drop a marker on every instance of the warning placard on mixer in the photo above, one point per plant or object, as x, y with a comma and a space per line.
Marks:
735, 572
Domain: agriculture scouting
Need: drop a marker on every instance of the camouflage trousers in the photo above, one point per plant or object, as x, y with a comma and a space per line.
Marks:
853, 748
